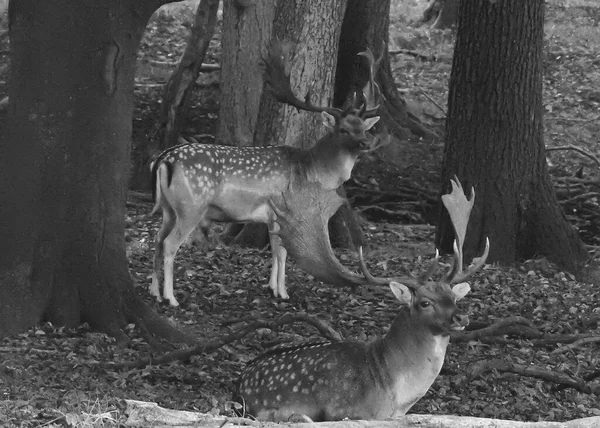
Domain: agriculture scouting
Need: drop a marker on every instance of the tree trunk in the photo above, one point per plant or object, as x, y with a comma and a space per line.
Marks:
247, 27
495, 137
366, 24
442, 14
65, 159
313, 68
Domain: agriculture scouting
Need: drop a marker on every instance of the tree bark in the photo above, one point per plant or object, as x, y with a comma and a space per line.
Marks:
247, 27
495, 137
442, 14
313, 68
65, 153
366, 24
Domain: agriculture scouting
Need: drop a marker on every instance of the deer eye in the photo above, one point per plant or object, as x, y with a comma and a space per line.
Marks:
425, 304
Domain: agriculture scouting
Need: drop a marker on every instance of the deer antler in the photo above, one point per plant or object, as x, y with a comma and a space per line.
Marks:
459, 208
407, 280
277, 79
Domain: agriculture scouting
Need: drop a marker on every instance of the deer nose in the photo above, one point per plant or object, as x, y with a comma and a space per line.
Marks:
460, 320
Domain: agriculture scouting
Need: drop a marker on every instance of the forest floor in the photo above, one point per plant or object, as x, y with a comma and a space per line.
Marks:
51, 376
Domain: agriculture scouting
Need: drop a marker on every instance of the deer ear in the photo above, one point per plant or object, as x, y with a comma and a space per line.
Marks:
328, 120
402, 292
461, 290
370, 122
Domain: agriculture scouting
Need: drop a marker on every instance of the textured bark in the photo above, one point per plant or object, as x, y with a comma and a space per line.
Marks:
495, 137
247, 30
314, 27
442, 14
366, 24
66, 152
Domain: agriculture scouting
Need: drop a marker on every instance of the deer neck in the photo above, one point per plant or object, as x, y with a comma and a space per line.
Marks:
333, 159
406, 362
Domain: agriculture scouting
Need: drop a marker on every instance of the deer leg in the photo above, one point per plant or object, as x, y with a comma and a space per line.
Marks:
281, 256
184, 226
277, 281
168, 221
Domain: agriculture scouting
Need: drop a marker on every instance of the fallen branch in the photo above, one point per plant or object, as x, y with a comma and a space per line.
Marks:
431, 99
576, 344
553, 339
584, 196
143, 414
517, 326
421, 56
575, 149
381, 213
574, 119
577, 383
214, 344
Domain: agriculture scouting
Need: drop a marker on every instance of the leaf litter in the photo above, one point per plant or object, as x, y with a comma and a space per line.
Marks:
53, 376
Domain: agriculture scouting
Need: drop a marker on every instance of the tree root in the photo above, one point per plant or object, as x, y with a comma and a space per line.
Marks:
214, 344
562, 379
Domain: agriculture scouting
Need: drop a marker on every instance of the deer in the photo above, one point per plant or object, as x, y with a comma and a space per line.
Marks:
384, 379
196, 184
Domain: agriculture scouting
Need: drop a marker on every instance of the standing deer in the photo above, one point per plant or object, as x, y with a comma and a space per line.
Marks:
384, 379
196, 184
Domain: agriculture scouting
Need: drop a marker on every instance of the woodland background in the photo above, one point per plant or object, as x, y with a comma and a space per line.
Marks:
51, 375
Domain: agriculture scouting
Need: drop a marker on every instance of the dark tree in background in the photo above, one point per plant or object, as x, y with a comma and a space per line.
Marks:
495, 137
247, 28
64, 163
441, 14
367, 25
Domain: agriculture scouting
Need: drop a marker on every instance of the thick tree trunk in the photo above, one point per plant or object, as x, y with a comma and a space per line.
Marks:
313, 68
495, 137
247, 27
366, 24
314, 28
64, 164
442, 14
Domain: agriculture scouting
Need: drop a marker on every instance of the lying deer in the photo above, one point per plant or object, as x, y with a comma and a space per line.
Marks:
196, 184
384, 379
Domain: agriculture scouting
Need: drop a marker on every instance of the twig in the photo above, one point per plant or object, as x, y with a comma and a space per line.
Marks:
431, 99
574, 119
569, 180
414, 54
587, 195
575, 149
576, 344
553, 339
214, 344
554, 376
